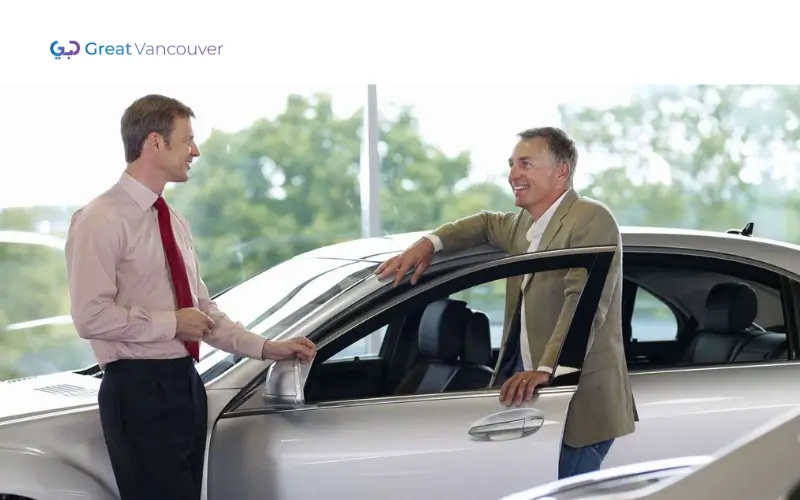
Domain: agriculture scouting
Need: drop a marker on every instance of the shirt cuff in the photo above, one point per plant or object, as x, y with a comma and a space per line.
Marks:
252, 346
164, 324
256, 350
545, 369
233, 337
564, 370
437, 242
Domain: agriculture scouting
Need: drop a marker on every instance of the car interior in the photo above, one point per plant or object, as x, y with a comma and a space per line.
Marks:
711, 311
722, 315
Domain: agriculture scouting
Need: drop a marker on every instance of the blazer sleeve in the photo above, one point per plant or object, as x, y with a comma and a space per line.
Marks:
494, 228
598, 228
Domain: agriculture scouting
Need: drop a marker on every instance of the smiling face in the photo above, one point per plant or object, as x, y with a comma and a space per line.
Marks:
536, 177
173, 156
159, 140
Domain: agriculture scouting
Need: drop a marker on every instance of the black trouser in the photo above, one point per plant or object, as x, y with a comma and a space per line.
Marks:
154, 418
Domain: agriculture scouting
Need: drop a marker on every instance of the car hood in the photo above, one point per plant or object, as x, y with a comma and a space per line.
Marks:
33, 396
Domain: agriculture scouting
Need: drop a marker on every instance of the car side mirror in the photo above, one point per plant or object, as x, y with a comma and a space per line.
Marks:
283, 387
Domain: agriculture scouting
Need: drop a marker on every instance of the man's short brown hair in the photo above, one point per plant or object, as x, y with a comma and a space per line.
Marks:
558, 142
148, 114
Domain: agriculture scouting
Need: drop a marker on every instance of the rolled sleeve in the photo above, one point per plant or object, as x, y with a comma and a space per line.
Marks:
227, 335
233, 337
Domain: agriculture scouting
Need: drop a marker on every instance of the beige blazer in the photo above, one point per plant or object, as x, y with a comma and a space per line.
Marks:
603, 406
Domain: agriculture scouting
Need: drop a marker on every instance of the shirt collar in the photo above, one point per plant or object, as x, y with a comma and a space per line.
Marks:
138, 191
544, 220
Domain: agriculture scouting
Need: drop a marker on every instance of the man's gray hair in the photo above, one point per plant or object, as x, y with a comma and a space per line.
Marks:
560, 145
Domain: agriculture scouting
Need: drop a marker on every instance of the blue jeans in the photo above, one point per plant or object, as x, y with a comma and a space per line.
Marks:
574, 461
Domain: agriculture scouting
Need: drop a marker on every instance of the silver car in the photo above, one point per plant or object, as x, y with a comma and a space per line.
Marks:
396, 403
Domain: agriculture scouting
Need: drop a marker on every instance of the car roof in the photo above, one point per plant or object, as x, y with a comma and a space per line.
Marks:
777, 253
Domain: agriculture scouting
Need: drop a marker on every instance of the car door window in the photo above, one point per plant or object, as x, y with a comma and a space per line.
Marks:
693, 310
369, 346
489, 298
652, 319
447, 326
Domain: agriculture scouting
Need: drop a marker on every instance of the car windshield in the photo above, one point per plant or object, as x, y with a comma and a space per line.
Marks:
274, 300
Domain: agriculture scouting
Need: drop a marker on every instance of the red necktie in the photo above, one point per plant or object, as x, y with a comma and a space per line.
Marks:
177, 267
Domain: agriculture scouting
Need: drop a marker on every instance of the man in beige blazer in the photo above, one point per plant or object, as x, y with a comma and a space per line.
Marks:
552, 216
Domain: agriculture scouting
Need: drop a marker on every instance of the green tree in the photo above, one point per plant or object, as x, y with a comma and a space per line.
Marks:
290, 184
421, 187
34, 288
705, 138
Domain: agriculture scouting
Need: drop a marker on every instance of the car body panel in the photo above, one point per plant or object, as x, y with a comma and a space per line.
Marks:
28, 397
66, 447
695, 411
32, 474
405, 447
761, 463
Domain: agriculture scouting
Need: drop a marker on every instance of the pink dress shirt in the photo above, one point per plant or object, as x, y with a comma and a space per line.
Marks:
121, 295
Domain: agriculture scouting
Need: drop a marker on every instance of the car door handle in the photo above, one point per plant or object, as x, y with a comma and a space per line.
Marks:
508, 424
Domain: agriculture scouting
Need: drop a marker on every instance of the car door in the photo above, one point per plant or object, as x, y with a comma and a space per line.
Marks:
445, 445
694, 402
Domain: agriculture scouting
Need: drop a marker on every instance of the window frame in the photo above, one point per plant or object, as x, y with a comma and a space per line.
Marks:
680, 316
441, 285
788, 287
387, 297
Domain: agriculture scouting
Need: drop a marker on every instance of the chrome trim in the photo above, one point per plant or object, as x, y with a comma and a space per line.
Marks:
583, 480
49, 413
243, 411
781, 363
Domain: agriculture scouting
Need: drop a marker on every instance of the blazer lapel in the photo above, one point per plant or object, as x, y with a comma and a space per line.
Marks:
521, 242
555, 223
553, 227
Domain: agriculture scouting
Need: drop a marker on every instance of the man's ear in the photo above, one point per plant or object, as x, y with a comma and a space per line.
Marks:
563, 172
157, 142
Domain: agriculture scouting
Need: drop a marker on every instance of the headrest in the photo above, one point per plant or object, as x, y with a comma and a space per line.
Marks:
441, 329
730, 307
478, 340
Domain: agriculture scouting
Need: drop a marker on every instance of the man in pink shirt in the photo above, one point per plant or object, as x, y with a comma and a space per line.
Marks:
137, 296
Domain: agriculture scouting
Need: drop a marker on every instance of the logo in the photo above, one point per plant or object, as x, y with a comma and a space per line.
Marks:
142, 49
59, 51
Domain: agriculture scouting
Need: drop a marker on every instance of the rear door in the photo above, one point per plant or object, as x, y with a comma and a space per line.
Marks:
695, 392
449, 445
